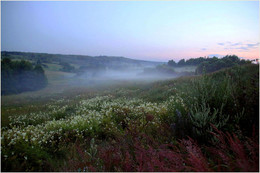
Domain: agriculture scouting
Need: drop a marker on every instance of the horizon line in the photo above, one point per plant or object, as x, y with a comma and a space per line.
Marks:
208, 56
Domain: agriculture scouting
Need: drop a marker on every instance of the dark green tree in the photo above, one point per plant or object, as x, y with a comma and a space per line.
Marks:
181, 62
172, 63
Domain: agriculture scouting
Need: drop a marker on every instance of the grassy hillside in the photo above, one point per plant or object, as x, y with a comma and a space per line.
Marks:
78, 60
200, 123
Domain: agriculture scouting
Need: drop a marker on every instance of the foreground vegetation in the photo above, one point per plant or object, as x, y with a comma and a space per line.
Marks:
202, 123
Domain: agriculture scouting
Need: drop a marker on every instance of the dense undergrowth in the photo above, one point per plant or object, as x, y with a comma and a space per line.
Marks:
200, 123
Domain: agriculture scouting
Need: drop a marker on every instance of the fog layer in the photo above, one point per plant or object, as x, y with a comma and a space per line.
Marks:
99, 77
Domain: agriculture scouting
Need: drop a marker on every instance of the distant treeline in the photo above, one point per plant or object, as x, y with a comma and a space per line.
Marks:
20, 76
207, 65
82, 62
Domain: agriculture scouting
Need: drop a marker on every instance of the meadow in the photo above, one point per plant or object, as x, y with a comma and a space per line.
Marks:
207, 122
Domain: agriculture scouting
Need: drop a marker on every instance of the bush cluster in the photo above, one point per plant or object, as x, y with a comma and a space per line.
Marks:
20, 76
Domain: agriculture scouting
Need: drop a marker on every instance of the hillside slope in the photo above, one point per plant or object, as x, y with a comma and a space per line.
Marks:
80, 60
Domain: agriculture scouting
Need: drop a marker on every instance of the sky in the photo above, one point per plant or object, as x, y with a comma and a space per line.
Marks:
147, 30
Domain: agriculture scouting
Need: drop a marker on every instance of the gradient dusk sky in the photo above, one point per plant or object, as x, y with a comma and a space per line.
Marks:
148, 30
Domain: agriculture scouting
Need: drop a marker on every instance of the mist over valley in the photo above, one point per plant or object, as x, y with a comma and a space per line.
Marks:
130, 86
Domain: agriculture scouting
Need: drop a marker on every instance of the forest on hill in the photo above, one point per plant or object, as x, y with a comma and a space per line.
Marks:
81, 61
201, 64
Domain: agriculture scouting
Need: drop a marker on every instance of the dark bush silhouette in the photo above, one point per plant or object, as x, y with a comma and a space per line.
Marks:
20, 76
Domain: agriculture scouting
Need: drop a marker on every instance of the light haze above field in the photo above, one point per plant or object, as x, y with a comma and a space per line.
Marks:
156, 30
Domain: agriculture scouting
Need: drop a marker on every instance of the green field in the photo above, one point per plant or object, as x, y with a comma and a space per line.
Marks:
199, 123
52, 67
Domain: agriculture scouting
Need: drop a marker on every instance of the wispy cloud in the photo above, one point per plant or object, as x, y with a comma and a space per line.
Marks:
239, 45
236, 44
253, 45
242, 48
203, 49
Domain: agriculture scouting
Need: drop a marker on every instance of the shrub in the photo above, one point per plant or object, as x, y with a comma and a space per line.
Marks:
201, 119
24, 157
